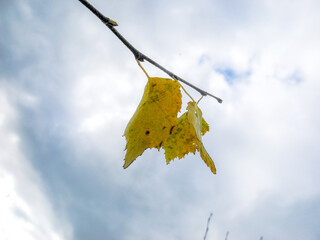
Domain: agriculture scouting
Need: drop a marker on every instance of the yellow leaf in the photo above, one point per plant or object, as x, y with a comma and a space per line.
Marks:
155, 118
187, 138
183, 141
204, 127
195, 118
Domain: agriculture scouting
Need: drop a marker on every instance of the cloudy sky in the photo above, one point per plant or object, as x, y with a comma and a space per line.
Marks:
68, 87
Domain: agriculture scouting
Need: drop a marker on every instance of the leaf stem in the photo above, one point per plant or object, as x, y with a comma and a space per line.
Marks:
138, 55
199, 100
145, 72
186, 92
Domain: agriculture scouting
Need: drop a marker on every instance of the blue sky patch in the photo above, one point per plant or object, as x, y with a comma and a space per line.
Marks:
230, 75
295, 77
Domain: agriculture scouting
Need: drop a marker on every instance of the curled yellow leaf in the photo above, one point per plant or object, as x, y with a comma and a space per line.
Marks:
187, 139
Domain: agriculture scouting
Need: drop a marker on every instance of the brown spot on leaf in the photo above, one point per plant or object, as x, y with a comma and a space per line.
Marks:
171, 129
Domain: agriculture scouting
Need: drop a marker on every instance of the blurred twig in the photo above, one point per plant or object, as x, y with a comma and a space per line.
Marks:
205, 235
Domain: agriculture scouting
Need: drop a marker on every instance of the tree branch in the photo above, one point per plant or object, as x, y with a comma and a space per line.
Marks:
137, 54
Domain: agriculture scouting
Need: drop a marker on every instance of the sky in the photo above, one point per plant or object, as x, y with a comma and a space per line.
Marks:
68, 88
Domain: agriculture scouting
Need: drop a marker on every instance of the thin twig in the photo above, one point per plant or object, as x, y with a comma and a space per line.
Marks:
138, 55
227, 234
205, 235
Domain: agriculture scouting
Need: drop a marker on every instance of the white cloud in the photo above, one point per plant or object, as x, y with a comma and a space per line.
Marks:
263, 137
260, 132
25, 211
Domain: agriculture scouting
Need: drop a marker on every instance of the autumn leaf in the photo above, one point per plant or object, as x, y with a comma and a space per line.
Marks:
155, 118
188, 137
